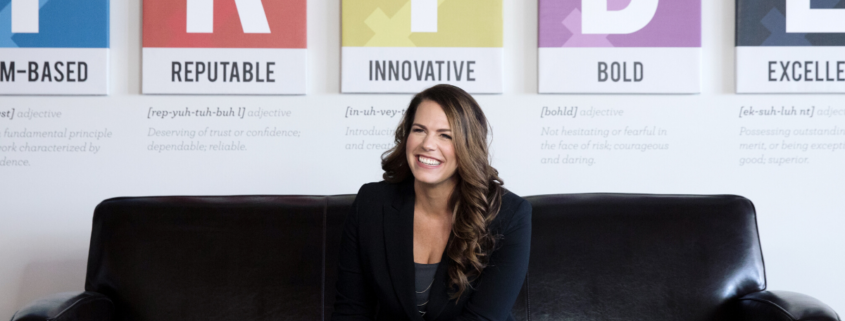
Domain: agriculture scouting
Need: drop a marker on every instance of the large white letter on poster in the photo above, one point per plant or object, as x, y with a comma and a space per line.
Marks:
251, 13
24, 16
801, 18
423, 15
253, 18
597, 19
200, 18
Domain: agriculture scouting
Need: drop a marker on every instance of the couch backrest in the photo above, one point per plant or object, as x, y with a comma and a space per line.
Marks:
211, 258
593, 257
640, 257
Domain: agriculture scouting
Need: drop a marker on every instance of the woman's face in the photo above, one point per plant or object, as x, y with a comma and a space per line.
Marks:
430, 150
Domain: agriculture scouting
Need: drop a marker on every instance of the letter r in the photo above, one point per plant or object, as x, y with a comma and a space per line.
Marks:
800, 18
200, 16
25, 16
596, 19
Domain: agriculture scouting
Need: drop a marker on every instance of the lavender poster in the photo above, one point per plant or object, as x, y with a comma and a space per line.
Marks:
620, 46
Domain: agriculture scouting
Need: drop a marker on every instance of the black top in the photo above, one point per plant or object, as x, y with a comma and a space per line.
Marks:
423, 278
376, 275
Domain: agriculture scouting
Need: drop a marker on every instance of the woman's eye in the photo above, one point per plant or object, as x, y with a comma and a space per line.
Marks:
446, 136
416, 130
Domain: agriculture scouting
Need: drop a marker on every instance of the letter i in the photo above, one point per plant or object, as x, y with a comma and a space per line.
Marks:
424, 15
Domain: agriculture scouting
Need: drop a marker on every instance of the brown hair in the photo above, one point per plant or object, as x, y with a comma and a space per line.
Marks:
477, 197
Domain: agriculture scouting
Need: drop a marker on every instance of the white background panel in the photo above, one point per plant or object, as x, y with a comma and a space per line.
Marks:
790, 69
46, 206
624, 70
286, 67
476, 70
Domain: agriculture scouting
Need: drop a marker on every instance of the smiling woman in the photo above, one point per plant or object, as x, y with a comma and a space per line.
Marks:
454, 242
429, 150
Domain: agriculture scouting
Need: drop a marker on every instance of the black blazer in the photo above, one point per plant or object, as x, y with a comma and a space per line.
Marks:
376, 265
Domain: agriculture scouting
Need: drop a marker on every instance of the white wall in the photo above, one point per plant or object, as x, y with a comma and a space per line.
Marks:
46, 208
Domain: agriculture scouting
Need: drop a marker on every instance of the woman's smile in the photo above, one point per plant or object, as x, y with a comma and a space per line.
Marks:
429, 162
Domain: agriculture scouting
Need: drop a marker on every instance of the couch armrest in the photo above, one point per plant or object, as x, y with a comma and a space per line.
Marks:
785, 306
68, 306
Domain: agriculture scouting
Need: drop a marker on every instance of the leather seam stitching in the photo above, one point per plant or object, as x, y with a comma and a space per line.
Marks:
58, 315
528, 294
773, 304
323, 288
760, 246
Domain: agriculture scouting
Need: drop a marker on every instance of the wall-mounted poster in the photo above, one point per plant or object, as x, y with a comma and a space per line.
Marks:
620, 46
405, 46
224, 47
54, 47
790, 46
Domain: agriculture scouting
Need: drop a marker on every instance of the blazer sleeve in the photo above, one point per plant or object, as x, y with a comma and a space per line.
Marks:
355, 299
500, 282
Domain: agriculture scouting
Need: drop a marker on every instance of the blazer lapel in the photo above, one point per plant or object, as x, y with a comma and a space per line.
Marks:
399, 244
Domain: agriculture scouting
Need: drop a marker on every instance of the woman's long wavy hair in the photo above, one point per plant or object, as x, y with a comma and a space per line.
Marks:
477, 197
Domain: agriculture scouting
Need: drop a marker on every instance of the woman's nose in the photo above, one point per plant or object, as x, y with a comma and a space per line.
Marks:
428, 143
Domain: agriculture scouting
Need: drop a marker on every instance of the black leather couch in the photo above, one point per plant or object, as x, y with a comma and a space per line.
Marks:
593, 257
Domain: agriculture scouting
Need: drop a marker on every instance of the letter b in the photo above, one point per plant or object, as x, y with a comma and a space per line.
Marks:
602, 71
596, 19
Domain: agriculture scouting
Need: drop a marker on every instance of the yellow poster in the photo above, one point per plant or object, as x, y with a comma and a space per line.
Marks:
396, 46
